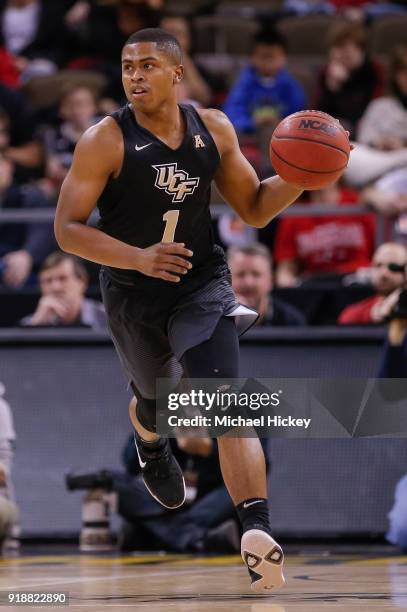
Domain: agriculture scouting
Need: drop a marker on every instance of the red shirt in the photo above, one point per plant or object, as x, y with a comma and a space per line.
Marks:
359, 313
329, 244
8, 72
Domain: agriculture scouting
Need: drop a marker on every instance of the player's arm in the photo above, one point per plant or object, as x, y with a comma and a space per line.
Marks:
257, 203
99, 156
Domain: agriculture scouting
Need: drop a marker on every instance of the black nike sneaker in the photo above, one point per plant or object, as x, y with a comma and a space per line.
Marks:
161, 474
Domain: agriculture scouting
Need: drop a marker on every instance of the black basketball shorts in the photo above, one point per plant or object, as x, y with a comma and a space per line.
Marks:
151, 332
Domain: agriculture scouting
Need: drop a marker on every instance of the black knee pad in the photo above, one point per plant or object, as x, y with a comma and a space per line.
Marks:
146, 413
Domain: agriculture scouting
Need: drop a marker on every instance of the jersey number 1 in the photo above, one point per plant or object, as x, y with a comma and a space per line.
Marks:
171, 219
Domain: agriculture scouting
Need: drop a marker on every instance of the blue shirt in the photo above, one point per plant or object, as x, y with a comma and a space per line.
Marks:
252, 92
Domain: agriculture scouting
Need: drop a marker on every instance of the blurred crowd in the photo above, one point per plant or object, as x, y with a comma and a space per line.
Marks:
60, 73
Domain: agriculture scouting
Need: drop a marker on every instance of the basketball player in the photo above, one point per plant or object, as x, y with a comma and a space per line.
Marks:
165, 285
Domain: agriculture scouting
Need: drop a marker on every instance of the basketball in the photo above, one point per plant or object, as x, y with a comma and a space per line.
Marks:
310, 149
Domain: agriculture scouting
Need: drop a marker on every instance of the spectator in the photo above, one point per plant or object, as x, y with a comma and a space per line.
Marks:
320, 248
397, 533
9, 75
206, 524
394, 365
34, 30
388, 276
63, 282
384, 123
351, 79
21, 146
394, 310
23, 246
252, 280
77, 112
113, 24
265, 91
388, 194
195, 86
382, 135
8, 508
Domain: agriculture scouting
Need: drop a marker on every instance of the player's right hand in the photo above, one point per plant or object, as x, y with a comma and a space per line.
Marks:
166, 260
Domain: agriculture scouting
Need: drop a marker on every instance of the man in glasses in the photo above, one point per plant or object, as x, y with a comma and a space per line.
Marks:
389, 276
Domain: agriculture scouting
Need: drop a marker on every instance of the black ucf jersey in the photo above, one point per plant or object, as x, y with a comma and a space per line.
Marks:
162, 195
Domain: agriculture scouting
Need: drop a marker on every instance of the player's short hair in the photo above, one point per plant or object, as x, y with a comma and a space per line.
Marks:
252, 249
270, 36
58, 257
166, 43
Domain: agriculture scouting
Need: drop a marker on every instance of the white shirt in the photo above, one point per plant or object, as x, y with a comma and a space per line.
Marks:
20, 26
6, 418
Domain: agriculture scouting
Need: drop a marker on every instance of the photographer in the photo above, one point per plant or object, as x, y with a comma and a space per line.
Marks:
394, 358
8, 508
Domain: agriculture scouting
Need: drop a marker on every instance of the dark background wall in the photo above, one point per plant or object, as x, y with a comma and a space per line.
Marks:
69, 400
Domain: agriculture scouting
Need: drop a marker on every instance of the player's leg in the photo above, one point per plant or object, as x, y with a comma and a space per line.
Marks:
242, 463
145, 356
161, 472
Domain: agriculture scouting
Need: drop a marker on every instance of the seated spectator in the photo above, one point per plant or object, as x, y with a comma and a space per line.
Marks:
105, 29
388, 194
34, 30
265, 92
397, 533
195, 86
351, 79
252, 281
207, 522
231, 230
394, 365
308, 7
23, 246
77, 112
8, 508
9, 74
384, 123
388, 276
382, 135
21, 146
321, 248
63, 282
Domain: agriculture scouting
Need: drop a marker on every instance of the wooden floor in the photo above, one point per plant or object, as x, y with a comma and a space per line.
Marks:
315, 583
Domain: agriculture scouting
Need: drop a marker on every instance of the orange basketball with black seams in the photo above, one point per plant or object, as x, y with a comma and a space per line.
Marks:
310, 149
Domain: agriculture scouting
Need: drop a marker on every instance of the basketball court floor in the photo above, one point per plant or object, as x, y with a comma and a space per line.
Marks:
315, 582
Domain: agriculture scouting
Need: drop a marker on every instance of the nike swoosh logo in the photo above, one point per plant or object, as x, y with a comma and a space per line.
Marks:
246, 505
143, 147
142, 463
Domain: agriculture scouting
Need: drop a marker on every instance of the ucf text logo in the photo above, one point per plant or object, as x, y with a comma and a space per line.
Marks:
175, 183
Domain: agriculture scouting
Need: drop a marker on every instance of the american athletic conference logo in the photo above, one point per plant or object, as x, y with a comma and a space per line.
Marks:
175, 183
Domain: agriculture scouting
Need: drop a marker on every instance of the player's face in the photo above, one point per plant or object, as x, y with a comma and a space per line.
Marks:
251, 278
62, 282
383, 278
148, 76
